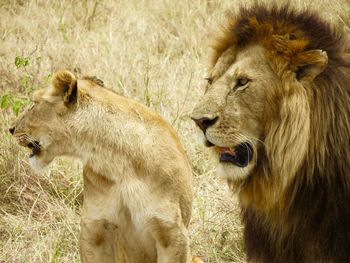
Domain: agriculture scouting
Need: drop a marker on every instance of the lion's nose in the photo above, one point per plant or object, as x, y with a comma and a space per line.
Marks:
12, 130
205, 123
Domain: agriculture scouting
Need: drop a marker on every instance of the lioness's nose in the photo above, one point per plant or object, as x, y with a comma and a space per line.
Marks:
12, 130
205, 123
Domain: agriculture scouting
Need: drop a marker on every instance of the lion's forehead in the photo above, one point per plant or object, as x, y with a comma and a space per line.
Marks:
250, 62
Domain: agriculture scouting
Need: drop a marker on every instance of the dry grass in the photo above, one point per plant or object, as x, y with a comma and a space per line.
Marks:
153, 51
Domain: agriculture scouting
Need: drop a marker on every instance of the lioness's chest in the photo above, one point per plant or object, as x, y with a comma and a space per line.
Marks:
125, 204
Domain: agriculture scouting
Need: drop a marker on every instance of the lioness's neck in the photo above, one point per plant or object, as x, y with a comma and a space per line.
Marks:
105, 141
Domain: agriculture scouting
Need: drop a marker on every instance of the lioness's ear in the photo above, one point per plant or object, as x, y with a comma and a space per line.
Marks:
65, 85
310, 64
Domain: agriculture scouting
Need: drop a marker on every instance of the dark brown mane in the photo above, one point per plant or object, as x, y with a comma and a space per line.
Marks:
313, 219
297, 31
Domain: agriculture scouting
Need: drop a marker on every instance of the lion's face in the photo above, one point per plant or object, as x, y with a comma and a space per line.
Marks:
42, 127
233, 109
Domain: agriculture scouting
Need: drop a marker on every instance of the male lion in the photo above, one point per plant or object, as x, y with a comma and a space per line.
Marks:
137, 178
277, 112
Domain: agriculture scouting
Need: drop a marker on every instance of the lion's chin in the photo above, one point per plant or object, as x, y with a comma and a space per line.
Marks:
233, 172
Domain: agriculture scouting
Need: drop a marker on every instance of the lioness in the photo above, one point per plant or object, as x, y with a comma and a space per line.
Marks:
137, 178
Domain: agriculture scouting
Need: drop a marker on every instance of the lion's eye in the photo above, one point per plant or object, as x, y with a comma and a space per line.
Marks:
242, 82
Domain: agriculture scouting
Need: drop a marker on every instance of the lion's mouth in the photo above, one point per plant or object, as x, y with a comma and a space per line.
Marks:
240, 155
35, 147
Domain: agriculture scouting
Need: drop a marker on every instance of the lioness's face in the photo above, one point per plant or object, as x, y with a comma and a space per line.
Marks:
42, 128
232, 110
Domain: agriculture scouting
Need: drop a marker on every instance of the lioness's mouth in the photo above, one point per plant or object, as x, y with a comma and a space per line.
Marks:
35, 147
240, 155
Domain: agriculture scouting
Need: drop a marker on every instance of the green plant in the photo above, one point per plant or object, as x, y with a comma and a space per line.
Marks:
10, 99
21, 62
15, 103
26, 82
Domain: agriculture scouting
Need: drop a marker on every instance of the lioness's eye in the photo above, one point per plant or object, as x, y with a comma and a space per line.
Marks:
210, 80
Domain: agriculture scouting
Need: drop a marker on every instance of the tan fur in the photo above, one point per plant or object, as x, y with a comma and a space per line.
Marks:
137, 178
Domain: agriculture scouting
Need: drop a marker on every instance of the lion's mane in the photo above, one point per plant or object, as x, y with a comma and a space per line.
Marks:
307, 139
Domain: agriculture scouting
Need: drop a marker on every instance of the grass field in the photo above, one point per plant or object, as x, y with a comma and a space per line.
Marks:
153, 51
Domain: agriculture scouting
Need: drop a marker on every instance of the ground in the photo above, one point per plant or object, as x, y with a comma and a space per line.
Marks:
153, 51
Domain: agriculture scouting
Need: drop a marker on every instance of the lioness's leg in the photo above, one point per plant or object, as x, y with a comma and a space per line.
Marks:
97, 241
171, 241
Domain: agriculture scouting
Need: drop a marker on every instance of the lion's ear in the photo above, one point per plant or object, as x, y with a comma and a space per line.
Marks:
310, 64
65, 85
